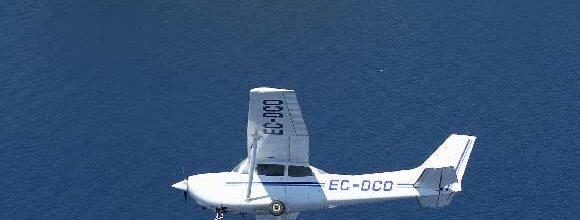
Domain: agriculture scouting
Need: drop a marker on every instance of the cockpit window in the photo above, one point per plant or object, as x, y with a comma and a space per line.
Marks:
270, 169
299, 171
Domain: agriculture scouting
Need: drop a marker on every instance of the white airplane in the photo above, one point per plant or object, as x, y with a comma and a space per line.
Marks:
276, 181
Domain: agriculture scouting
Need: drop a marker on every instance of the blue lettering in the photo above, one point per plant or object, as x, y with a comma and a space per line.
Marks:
390, 186
272, 102
268, 108
273, 125
272, 115
366, 185
272, 110
333, 183
273, 131
342, 186
375, 185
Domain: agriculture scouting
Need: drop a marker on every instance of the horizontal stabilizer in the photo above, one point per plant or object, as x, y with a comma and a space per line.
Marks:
435, 201
436, 178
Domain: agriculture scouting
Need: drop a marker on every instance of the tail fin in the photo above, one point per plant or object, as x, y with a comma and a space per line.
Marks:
454, 152
444, 169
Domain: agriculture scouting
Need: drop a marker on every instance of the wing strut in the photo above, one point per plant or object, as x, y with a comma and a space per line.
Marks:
252, 161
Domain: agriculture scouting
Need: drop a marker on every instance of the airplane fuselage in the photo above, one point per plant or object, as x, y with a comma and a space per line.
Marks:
227, 191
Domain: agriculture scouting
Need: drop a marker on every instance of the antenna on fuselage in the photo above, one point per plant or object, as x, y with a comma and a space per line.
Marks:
252, 161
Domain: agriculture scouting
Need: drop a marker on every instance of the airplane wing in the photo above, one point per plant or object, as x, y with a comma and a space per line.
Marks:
275, 115
290, 216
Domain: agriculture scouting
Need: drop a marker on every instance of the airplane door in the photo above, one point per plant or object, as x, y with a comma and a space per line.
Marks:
274, 187
316, 197
303, 191
297, 193
271, 178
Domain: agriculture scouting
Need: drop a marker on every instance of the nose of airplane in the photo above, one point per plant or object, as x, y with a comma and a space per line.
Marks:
203, 188
182, 185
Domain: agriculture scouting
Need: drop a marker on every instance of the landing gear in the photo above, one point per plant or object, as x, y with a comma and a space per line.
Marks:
277, 208
219, 216
219, 213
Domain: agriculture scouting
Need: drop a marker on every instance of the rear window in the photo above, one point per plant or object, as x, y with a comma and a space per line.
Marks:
299, 171
270, 169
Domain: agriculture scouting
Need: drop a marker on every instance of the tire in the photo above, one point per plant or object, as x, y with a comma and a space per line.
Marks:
277, 208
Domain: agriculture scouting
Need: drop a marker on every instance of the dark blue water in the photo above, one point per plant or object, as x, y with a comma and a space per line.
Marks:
101, 103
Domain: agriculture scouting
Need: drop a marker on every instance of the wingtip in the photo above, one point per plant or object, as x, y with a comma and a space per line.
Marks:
268, 89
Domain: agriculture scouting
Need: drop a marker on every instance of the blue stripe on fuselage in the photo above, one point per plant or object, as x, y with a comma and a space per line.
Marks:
281, 183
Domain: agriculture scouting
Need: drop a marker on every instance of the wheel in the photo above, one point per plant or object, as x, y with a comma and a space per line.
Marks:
277, 208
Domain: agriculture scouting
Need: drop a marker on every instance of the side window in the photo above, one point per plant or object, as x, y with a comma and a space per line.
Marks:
299, 171
270, 169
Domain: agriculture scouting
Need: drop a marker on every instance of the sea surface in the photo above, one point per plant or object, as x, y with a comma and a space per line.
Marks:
103, 102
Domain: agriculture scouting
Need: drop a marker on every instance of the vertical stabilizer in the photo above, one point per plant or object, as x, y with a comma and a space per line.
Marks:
444, 169
454, 152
